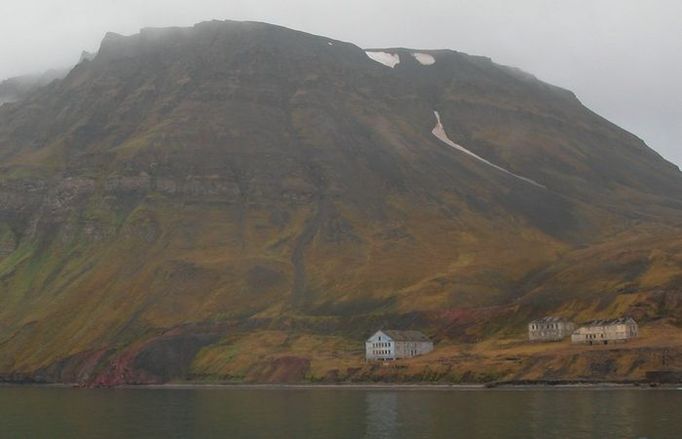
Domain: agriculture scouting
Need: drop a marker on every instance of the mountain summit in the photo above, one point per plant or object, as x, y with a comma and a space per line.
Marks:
188, 193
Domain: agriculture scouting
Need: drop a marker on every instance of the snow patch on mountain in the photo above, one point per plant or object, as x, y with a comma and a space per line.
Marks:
388, 59
424, 58
441, 135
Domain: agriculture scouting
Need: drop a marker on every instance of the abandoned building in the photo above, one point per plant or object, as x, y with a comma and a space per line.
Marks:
606, 331
392, 345
550, 329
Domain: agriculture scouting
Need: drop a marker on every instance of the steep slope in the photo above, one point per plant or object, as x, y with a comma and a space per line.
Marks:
191, 183
19, 87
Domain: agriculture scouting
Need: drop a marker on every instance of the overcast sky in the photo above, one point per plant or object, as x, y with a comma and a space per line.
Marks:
623, 58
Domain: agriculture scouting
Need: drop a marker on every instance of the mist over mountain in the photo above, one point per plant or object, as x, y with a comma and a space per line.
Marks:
189, 194
17, 88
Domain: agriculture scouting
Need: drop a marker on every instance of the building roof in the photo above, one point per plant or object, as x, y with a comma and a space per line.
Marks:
551, 319
405, 335
618, 321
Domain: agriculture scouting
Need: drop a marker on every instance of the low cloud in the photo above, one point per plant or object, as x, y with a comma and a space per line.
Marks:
621, 57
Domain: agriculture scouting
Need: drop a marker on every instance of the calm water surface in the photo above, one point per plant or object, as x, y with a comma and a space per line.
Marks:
34, 412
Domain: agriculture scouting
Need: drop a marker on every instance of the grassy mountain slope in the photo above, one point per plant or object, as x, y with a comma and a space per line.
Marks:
190, 194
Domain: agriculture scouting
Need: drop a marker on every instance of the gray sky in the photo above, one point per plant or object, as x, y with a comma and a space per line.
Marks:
623, 58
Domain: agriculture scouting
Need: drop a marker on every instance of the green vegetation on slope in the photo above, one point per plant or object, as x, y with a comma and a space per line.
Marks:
242, 201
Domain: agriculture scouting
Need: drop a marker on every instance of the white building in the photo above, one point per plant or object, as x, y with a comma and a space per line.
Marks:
606, 331
391, 345
550, 329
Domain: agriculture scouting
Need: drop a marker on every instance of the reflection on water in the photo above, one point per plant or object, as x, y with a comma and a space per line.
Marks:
31, 412
382, 415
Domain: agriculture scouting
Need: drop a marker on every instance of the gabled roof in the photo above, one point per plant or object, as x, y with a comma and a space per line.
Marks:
397, 335
551, 319
619, 321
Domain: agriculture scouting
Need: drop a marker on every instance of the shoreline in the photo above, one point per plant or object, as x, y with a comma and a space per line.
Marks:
410, 387
505, 386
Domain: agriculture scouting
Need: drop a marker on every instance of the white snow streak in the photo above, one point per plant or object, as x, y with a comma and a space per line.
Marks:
440, 133
388, 59
424, 58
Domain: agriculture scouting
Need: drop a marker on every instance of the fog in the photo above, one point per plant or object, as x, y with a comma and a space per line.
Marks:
621, 57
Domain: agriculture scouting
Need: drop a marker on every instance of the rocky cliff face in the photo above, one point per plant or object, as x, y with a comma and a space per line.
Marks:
188, 184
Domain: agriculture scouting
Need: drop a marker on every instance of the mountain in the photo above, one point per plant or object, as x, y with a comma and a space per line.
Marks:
241, 201
18, 87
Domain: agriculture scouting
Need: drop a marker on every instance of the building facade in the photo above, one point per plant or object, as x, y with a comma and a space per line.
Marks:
389, 344
606, 331
550, 329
